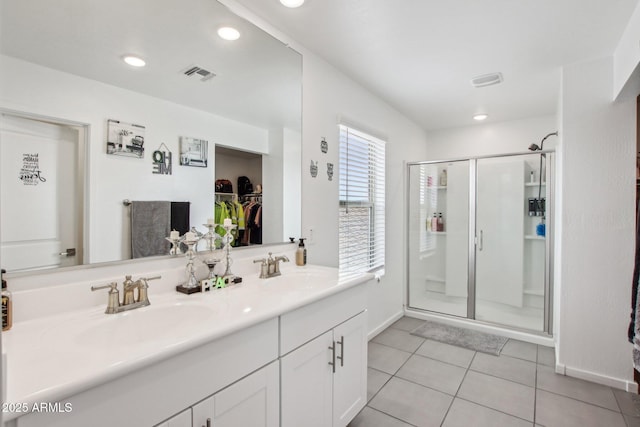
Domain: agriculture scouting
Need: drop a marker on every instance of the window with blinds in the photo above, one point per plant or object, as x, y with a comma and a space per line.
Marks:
361, 219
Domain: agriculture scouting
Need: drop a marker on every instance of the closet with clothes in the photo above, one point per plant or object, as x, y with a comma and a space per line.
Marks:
252, 206
238, 176
227, 206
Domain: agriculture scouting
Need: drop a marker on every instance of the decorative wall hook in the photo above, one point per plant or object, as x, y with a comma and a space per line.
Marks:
330, 171
313, 169
324, 145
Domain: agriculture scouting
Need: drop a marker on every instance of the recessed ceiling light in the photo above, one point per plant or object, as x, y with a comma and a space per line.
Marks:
292, 3
229, 33
480, 117
134, 61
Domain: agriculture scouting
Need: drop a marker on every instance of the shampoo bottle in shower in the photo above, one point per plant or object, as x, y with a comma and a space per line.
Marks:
440, 222
7, 305
443, 178
429, 224
434, 222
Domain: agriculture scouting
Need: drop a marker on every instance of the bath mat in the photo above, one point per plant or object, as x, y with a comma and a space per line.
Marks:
467, 338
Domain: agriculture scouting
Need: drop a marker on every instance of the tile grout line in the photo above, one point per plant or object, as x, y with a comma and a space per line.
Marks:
389, 415
479, 404
393, 376
467, 369
458, 389
580, 401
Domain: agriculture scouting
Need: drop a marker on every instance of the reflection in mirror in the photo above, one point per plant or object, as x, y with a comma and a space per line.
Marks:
68, 80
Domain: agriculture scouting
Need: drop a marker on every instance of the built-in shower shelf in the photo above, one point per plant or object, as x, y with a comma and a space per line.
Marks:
437, 232
533, 237
536, 292
534, 184
437, 187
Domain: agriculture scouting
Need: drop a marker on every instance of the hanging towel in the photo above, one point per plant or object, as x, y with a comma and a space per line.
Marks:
634, 282
150, 224
180, 217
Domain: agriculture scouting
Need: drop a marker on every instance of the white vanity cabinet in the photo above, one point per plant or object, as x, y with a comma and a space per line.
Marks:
183, 419
295, 356
253, 401
324, 380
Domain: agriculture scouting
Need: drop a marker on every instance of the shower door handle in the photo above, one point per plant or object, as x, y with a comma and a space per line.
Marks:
480, 241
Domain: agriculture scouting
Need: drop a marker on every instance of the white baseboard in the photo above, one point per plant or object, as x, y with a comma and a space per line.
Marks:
594, 377
390, 321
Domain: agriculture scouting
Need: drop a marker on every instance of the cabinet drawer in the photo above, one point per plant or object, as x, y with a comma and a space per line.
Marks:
304, 324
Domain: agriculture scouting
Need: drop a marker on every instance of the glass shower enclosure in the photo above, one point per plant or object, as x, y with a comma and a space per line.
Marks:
480, 239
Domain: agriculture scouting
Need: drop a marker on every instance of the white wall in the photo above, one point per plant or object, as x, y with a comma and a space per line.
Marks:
34, 89
598, 223
328, 97
626, 59
491, 138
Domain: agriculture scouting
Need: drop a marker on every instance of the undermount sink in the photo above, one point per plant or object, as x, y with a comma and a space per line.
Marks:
142, 324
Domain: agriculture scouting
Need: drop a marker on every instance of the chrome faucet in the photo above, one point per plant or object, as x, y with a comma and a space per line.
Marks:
270, 267
129, 300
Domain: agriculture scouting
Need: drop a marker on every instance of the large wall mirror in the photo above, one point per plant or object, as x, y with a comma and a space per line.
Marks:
65, 91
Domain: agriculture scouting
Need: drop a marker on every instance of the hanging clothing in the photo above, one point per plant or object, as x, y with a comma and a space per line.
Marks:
220, 214
634, 326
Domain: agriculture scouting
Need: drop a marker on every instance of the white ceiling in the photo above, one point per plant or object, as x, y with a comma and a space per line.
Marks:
419, 55
258, 78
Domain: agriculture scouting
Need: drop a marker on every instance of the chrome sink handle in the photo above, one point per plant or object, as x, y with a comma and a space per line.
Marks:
114, 297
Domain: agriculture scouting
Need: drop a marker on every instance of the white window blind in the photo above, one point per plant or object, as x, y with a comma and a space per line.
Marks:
362, 195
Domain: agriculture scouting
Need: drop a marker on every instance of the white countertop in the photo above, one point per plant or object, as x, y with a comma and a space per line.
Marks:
52, 358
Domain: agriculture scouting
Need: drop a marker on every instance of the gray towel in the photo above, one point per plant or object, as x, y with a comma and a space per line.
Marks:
150, 224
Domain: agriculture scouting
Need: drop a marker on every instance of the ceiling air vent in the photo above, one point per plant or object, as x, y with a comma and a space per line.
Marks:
203, 74
486, 80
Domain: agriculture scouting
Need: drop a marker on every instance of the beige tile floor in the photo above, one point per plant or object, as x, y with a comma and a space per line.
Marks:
418, 382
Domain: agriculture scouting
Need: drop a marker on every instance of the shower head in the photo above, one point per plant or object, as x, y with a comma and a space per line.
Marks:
535, 147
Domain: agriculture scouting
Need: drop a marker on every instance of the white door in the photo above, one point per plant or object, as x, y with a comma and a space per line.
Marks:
307, 384
350, 379
500, 231
40, 194
252, 401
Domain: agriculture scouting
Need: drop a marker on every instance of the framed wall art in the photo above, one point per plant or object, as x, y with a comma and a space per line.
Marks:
194, 152
125, 139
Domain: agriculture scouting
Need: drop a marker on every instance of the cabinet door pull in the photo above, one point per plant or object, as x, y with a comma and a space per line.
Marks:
333, 357
341, 357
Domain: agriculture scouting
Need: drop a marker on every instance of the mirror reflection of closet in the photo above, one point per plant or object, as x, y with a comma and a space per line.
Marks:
230, 165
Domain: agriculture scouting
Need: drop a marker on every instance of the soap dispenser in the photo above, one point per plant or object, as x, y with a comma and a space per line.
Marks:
301, 253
